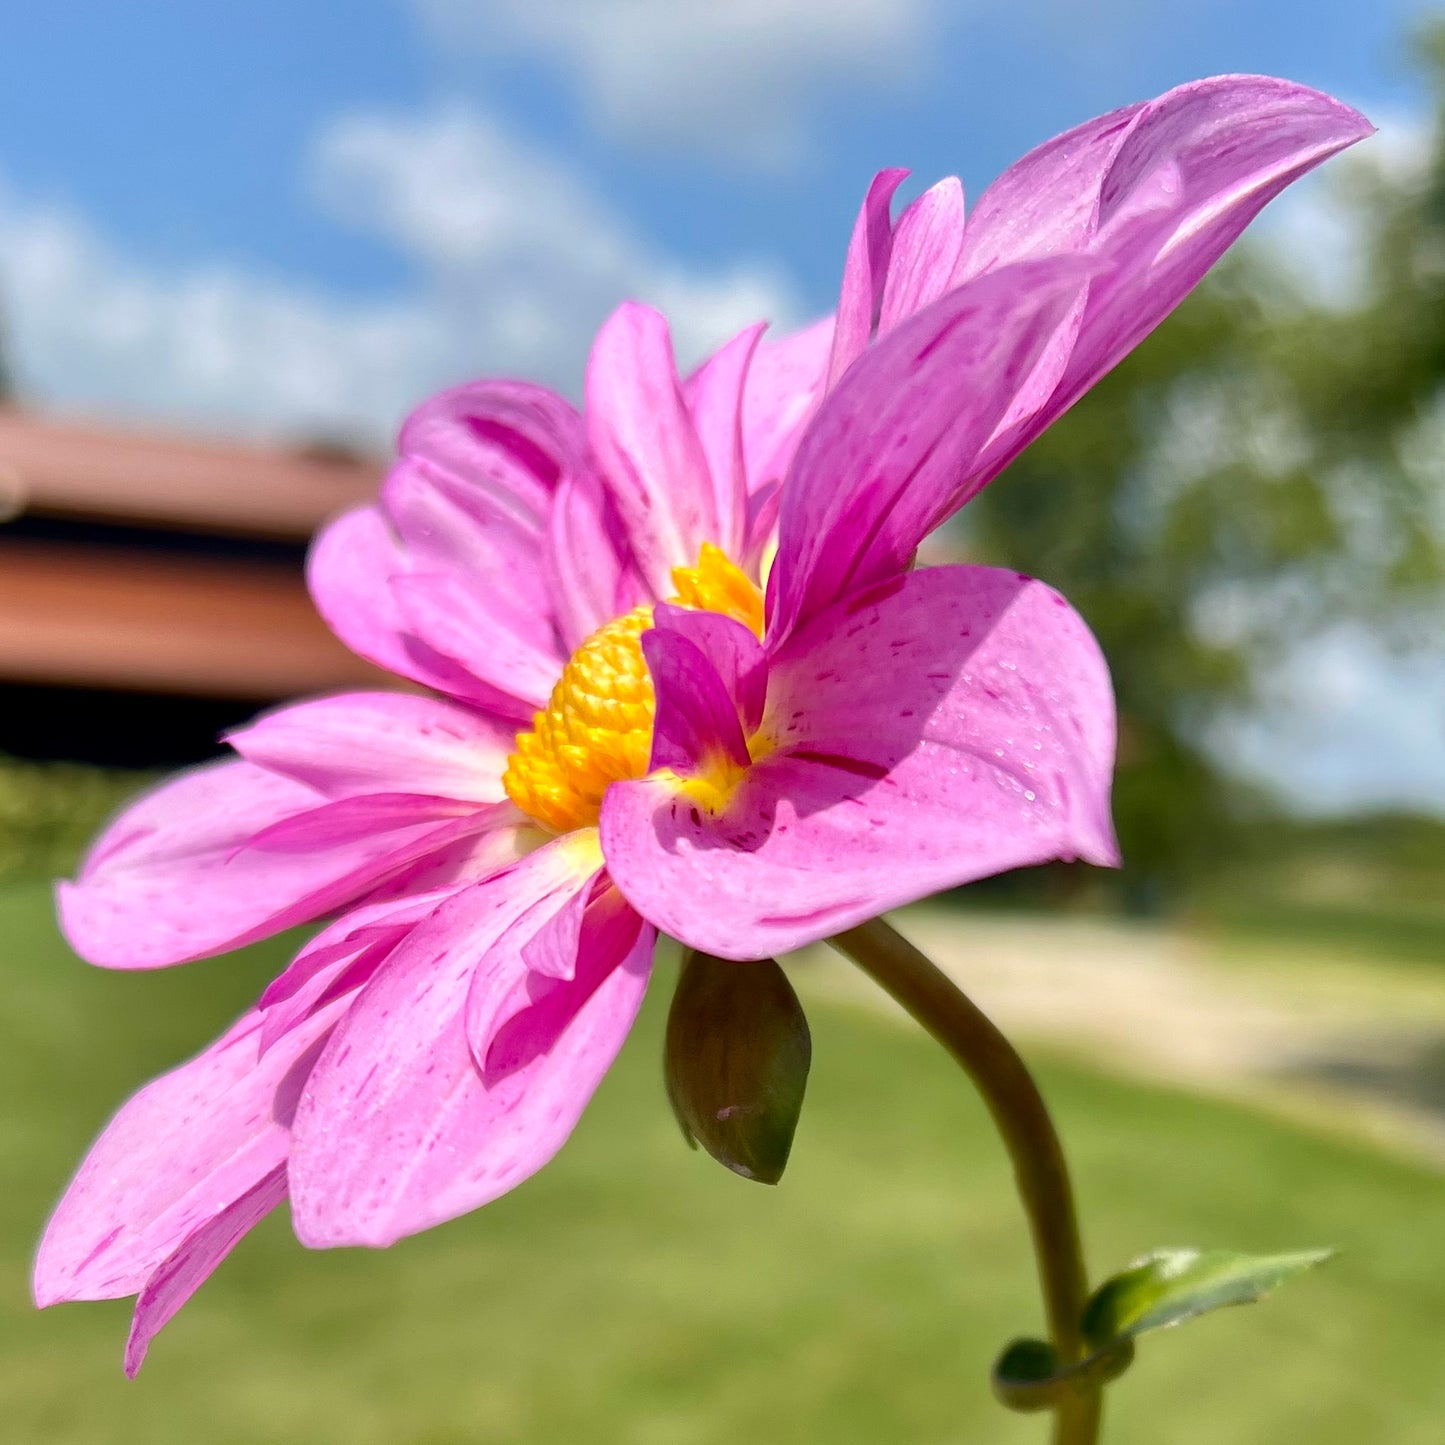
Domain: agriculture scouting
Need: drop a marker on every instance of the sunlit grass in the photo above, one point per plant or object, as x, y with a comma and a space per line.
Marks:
635, 1292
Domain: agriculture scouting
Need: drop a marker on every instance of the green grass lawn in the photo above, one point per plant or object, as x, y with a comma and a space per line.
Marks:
636, 1292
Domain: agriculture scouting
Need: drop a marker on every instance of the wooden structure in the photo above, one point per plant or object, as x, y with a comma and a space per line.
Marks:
156, 578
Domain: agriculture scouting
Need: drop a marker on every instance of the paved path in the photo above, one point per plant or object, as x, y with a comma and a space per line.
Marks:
1340, 1043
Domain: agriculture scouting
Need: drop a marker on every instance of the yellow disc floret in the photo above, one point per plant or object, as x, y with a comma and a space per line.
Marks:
716, 585
597, 726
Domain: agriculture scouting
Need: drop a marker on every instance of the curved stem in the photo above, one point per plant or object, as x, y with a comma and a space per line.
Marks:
1019, 1112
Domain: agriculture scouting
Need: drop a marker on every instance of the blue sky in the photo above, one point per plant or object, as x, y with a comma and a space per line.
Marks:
297, 216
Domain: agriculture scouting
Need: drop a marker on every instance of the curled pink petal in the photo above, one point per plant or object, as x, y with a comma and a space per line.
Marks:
647, 445
927, 243
864, 274
696, 728
1157, 193
950, 725
195, 1260
734, 653
553, 948
509, 441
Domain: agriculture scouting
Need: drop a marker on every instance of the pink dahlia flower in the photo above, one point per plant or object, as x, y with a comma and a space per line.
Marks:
681, 677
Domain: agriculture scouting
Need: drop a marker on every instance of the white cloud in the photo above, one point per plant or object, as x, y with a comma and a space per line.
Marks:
517, 264
733, 78
520, 251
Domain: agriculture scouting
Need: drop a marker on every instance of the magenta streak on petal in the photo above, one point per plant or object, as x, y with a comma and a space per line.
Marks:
714, 393
696, 728
381, 742
877, 468
647, 445
864, 273
732, 649
344, 820
926, 246
397, 1130
956, 724
178, 1277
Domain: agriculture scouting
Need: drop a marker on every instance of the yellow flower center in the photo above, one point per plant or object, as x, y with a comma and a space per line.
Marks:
597, 726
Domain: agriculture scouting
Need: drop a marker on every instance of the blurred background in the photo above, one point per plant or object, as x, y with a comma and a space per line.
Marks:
237, 243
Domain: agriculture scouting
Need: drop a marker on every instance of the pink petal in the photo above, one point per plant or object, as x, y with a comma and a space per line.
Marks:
715, 395
177, 1278
342, 954
696, 727
341, 822
878, 467
1157, 193
733, 651
173, 879
381, 742
514, 1023
952, 724
784, 382
647, 446
350, 572
509, 441
1048, 202
483, 541
553, 947
458, 623
187, 1146
927, 243
398, 1129
864, 273
590, 569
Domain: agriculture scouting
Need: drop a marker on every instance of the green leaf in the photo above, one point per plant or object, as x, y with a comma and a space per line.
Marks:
1170, 1286
1023, 1377
736, 1062
1028, 1377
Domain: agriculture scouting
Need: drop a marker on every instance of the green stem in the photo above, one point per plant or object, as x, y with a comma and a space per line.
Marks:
1019, 1112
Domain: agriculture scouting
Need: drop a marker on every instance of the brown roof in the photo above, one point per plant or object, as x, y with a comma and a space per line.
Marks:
198, 627
155, 479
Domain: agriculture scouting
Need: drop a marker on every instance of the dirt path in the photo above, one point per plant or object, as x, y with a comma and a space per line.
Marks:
1340, 1043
